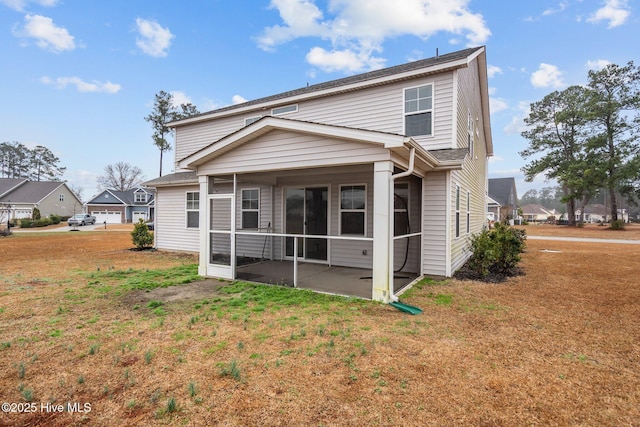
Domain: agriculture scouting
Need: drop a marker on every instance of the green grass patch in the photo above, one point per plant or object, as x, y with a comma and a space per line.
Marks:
132, 279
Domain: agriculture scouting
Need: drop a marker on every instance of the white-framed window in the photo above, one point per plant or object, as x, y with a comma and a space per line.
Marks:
193, 209
250, 207
353, 209
141, 197
401, 208
61, 197
284, 110
418, 111
468, 212
457, 210
250, 120
470, 132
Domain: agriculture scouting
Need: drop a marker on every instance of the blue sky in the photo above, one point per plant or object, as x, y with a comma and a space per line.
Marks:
78, 77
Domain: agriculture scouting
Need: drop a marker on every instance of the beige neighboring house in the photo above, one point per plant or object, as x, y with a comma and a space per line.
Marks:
537, 213
355, 186
18, 198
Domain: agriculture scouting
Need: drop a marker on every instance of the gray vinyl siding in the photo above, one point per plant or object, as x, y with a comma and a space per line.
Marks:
434, 224
379, 108
280, 150
52, 204
171, 232
472, 177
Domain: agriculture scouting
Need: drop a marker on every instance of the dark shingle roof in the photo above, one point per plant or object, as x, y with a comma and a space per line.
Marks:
359, 78
7, 184
500, 189
31, 192
173, 179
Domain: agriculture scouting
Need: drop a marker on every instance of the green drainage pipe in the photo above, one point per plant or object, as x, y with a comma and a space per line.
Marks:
406, 308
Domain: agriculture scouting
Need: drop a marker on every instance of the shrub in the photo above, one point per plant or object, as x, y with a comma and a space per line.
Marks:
618, 224
141, 235
42, 222
25, 223
35, 214
495, 254
55, 219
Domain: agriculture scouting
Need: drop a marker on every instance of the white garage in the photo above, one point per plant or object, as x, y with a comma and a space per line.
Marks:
108, 216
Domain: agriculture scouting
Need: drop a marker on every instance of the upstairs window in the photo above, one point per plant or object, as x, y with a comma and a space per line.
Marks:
250, 120
141, 197
284, 110
61, 197
193, 209
250, 208
418, 111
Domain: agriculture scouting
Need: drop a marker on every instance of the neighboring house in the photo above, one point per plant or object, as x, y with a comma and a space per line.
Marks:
354, 186
119, 207
502, 191
598, 213
537, 213
19, 197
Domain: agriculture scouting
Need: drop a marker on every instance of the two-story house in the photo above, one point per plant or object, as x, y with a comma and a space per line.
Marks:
355, 186
122, 207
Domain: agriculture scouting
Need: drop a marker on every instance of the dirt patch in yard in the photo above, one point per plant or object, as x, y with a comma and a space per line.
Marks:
559, 345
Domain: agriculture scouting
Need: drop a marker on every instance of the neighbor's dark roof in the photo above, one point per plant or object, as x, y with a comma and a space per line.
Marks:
501, 188
173, 179
31, 192
451, 154
6, 184
358, 78
127, 197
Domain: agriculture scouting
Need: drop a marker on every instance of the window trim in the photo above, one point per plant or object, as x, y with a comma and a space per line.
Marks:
430, 110
470, 134
468, 212
142, 196
61, 197
285, 109
243, 210
191, 209
457, 212
364, 211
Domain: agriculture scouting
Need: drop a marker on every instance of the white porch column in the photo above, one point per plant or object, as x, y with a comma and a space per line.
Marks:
381, 231
204, 225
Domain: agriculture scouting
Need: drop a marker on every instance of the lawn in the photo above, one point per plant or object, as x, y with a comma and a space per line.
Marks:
85, 321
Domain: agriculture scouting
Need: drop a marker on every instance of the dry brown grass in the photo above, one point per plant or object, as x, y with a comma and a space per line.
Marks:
558, 346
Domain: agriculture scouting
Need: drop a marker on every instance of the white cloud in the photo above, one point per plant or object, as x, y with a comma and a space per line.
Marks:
155, 40
547, 75
20, 5
343, 60
48, 36
517, 124
237, 99
81, 85
492, 70
561, 7
497, 104
597, 64
615, 12
494, 159
179, 98
356, 29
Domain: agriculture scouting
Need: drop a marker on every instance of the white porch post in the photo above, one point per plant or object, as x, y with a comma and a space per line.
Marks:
381, 231
204, 225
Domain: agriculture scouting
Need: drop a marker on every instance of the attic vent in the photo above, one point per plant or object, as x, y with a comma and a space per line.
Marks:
283, 110
106, 196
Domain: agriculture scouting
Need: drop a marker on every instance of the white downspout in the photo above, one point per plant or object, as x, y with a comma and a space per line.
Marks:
409, 171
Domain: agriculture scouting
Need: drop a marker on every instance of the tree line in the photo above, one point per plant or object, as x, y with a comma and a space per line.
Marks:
36, 164
586, 138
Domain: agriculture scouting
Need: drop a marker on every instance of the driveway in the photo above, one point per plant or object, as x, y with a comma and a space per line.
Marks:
61, 228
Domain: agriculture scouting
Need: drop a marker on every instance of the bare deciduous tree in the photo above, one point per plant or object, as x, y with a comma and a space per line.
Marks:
120, 177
